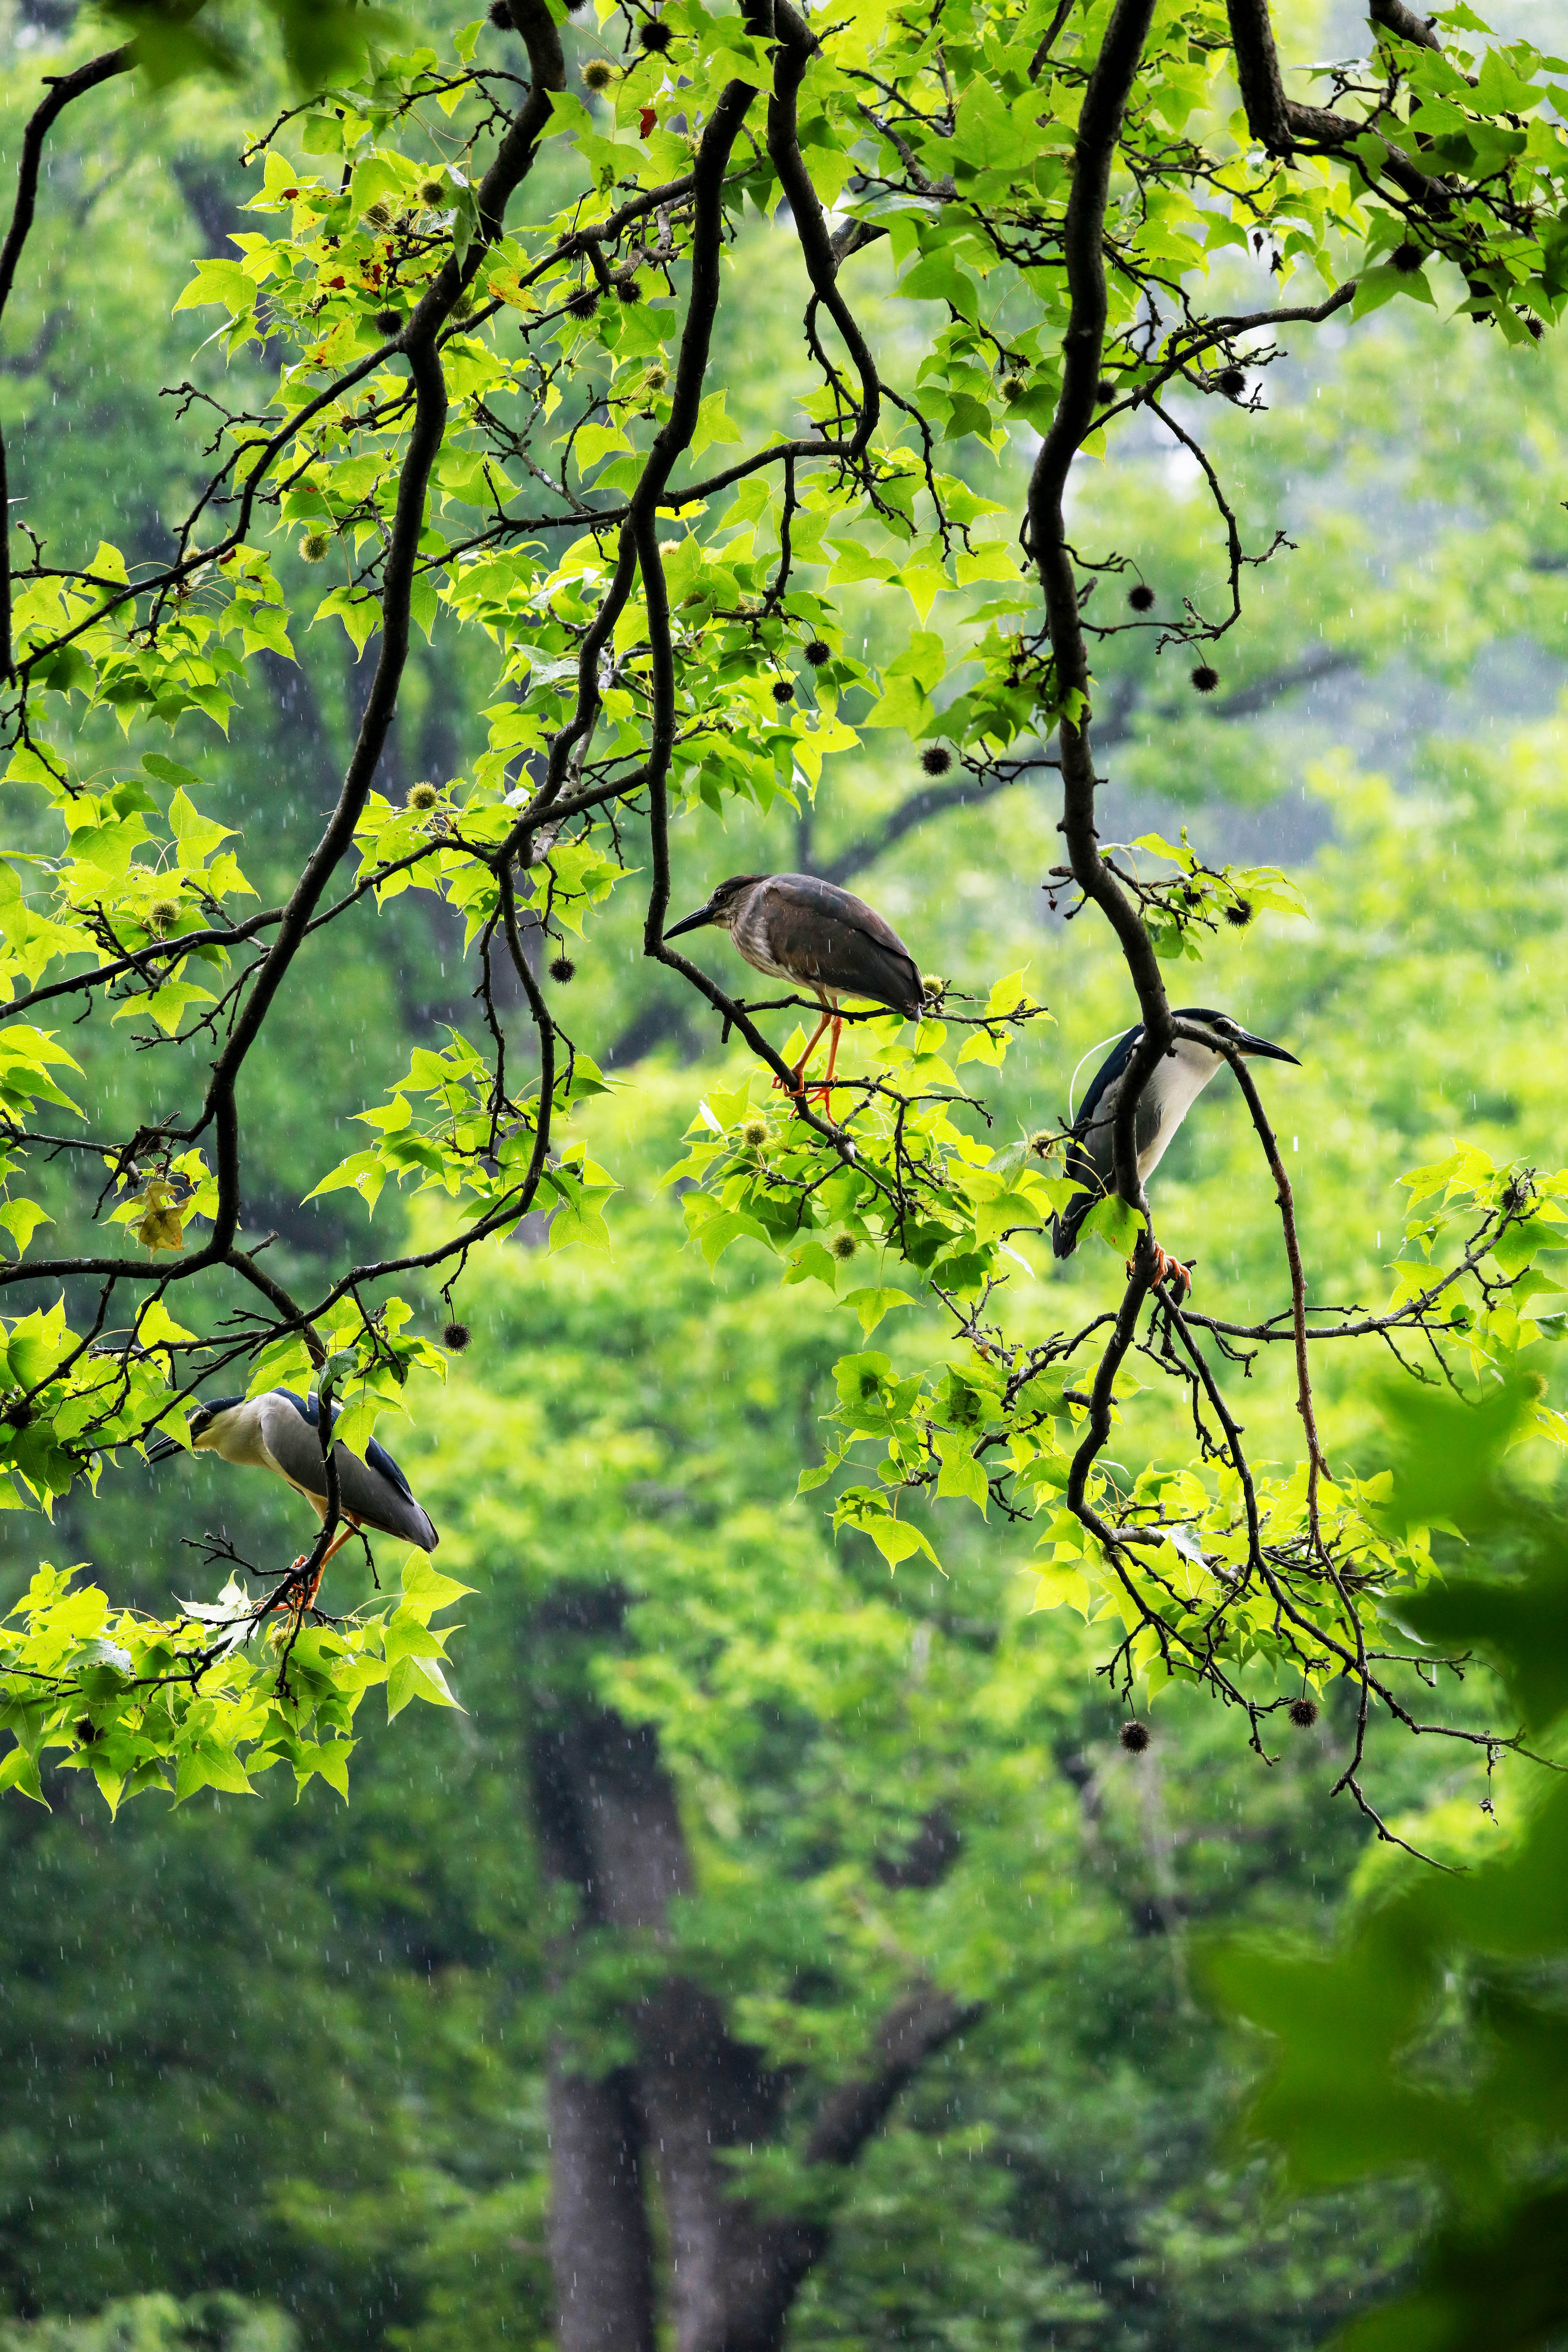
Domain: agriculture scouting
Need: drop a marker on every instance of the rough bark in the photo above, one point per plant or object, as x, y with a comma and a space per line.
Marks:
609, 1828
600, 2257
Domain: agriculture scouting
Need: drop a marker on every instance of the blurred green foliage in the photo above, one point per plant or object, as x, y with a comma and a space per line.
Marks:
157, 2323
1433, 2041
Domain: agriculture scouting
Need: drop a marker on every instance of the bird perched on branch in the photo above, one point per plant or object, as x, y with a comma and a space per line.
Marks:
280, 1432
794, 926
1172, 1087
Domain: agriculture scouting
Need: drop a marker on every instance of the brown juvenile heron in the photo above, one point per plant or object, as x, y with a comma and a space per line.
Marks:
794, 926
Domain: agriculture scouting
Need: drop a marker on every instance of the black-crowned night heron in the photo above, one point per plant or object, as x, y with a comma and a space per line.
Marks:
279, 1431
1169, 1092
794, 926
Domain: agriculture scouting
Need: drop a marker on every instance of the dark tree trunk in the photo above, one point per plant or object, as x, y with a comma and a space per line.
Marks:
600, 2254
609, 1828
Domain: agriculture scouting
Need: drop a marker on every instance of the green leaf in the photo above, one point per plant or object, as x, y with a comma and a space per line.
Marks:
1115, 1222
222, 283
21, 1220
871, 1305
196, 834
413, 1678
712, 424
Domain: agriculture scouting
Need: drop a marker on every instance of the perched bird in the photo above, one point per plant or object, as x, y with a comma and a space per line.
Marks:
1169, 1092
794, 926
279, 1431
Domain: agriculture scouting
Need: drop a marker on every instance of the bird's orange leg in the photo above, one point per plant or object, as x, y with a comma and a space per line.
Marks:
810, 1049
308, 1600
824, 1093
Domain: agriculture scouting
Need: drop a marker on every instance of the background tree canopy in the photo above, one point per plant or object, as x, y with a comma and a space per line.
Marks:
630, 450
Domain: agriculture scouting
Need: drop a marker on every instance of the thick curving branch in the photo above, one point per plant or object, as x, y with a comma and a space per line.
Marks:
64, 88
1281, 124
1099, 131
1394, 17
797, 47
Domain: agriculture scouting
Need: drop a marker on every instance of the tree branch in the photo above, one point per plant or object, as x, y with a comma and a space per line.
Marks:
1099, 131
66, 87
913, 2030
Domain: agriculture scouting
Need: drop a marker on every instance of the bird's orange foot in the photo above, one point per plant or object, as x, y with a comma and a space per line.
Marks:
291, 1598
1165, 1266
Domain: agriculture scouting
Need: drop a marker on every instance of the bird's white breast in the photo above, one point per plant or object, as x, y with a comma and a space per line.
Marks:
238, 1435
1176, 1085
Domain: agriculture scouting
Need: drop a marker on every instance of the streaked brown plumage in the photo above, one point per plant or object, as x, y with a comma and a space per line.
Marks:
795, 926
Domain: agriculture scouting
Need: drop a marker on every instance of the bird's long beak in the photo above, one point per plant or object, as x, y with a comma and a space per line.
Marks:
161, 1447
693, 923
1250, 1044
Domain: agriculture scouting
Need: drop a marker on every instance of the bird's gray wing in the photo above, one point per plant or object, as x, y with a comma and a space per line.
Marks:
844, 944
365, 1492
381, 1461
369, 1495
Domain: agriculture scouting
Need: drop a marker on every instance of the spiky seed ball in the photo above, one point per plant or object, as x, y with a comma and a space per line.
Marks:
456, 1336
1240, 912
163, 915
782, 690
1233, 380
584, 303
597, 75
1407, 257
562, 968
377, 216
387, 322
1204, 678
87, 1731
433, 192
1134, 1738
937, 759
1536, 329
1012, 387
1104, 389
1192, 897
1303, 1713
1141, 597
654, 35
753, 1134
464, 307
844, 1246
817, 652
315, 546
500, 15
656, 379
627, 289
423, 796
